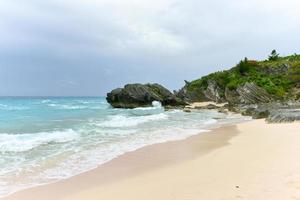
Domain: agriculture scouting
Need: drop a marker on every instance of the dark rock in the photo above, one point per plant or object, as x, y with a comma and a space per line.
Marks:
250, 93
279, 69
232, 96
191, 95
260, 113
248, 111
284, 116
139, 95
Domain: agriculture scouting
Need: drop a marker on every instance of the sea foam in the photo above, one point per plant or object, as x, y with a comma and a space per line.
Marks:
125, 121
27, 141
48, 139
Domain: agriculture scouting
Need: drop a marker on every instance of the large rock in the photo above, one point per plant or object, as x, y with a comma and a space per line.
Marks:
139, 95
213, 92
189, 95
284, 112
250, 93
232, 96
210, 93
284, 116
275, 70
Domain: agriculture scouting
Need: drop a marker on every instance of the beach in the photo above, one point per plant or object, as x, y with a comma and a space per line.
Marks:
250, 160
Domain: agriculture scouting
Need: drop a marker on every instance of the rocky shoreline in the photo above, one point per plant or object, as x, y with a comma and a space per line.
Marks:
253, 101
262, 89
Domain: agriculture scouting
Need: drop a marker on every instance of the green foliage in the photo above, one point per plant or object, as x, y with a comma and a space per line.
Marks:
274, 55
243, 66
293, 58
265, 74
294, 73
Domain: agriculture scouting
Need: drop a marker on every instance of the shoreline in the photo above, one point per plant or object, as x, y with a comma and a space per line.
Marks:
122, 159
125, 172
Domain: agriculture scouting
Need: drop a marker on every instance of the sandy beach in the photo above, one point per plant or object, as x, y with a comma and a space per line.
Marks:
251, 160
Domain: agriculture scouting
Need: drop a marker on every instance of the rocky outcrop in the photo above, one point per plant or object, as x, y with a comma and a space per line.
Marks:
284, 116
210, 93
250, 93
213, 92
274, 112
188, 95
139, 95
274, 70
232, 96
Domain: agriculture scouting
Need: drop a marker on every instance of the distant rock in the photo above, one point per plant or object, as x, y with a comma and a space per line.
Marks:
279, 69
208, 107
142, 95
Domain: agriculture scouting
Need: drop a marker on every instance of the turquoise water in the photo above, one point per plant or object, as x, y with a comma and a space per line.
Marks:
47, 139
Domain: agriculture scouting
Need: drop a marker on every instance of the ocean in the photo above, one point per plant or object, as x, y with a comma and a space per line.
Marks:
43, 140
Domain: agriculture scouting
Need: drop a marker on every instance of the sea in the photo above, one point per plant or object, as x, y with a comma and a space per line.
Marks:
47, 139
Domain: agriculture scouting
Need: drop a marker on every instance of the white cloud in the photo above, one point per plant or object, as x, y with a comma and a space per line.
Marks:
178, 39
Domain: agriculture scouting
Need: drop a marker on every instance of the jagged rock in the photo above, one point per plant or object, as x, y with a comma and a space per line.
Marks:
191, 95
284, 116
260, 113
250, 93
232, 96
280, 69
213, 92
248, 111
139, 95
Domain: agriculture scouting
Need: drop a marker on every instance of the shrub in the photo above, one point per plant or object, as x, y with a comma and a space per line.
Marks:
243, 66
274, 55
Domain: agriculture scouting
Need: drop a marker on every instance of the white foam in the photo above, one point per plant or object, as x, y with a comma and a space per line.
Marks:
28, 141
66, 107
124, 121
46, 101
156, 104
96, 140
7, 107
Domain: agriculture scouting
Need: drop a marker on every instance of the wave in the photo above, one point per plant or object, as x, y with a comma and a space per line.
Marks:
124, 121
11, 108
155, 109
28, 141
46, 101
66, 107
74, 107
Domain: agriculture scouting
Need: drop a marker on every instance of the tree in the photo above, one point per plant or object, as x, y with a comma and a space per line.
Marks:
243, 66
274, 55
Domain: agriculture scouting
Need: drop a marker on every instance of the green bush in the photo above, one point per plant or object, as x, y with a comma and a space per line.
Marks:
278, 84
243, 67
274, 56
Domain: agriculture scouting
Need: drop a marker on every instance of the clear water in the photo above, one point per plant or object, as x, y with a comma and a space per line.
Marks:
47, 139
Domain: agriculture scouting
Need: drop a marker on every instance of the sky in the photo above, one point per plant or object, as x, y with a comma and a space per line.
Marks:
89, 47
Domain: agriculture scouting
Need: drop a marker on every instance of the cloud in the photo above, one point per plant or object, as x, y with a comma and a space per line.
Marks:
102, 44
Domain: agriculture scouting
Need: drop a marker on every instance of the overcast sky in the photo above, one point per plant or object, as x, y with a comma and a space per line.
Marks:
88, 47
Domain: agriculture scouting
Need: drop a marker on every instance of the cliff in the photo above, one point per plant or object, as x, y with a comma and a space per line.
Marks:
249, 82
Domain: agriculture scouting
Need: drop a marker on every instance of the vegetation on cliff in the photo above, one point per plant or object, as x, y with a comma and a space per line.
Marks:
278, 76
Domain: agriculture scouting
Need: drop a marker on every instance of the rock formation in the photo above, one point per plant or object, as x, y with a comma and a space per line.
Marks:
139, 95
